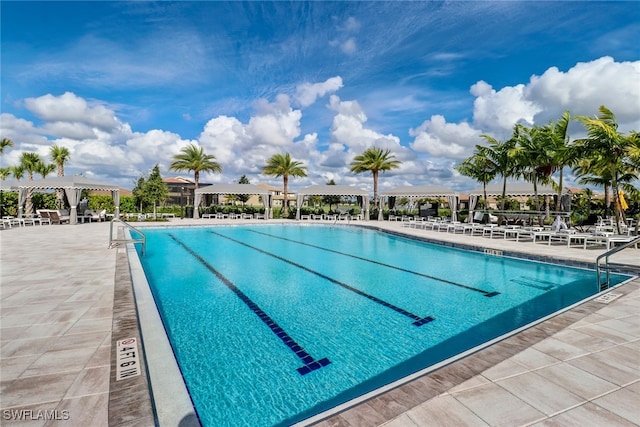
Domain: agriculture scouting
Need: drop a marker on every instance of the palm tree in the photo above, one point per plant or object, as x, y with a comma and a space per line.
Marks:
17, 171
374, 160
45, 169
4, 143
562, 152
533, 157
282, 165
30, 162
609, 154
59, 155
503, 163
193, 158
478, 167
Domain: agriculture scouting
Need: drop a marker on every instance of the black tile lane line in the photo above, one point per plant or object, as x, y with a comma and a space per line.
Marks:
486, 293
418, 321
310, 364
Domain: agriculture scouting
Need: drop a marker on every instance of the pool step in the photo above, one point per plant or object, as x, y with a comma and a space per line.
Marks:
627, 268
532, 282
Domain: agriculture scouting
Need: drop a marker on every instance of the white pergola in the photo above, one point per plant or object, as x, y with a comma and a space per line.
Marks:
72, 186
248, 189
334, 190
421, 191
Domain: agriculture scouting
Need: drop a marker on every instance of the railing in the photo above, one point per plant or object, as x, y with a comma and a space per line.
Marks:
115, 242
602, 286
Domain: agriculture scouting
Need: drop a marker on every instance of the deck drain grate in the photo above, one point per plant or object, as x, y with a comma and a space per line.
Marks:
607, 298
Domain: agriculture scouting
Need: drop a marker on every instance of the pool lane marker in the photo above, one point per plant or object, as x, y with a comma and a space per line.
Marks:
418, 321
310, 364
486, 293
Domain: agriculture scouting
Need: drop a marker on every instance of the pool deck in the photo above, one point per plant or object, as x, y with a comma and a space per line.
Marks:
59, 324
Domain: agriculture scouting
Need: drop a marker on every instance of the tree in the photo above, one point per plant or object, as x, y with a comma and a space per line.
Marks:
155, 190
563, 152
30, 162
609, 154
193, 158
480, 168
502, 163
5, 143
374, 160
244, 198
17, 171
331, 200
59, 155
45, 169
533, 158
282, 165
139, 198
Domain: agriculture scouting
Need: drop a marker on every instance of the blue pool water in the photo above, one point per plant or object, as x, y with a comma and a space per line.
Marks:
272, 324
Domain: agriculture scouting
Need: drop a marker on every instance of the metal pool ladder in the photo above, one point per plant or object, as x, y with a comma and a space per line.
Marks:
142, 239
607, 265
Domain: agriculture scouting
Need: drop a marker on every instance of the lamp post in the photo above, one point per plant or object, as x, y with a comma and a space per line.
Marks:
182, 202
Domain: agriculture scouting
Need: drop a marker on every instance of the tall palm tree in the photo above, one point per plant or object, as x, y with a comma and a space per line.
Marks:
30, 162
59, 155
282, 165
374, 160
608, 153
193, 158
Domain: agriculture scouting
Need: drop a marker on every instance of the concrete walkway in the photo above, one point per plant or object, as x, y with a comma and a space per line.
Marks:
57, 313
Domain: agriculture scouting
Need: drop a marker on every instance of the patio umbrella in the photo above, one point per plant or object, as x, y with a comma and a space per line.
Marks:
623, 203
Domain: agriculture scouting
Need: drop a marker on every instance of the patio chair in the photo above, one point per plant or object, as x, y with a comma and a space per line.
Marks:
56, 218
43, 217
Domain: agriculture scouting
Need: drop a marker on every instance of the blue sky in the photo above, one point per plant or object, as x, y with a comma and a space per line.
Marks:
125, 85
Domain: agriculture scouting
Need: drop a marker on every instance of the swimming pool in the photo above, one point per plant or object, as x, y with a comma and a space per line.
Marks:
272, 324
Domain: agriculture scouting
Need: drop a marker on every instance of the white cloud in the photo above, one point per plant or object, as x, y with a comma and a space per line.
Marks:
498, 111
351, 25
243, 148
348, 128
587, 86
345, 41
72, 109
582, 90
307, 93
442, 139
275, 124
349, 46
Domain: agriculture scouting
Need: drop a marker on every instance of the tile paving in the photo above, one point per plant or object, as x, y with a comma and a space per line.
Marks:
59, 323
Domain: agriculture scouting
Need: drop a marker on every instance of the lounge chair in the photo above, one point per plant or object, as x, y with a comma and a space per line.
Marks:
619, 238
95, 215
43, 217
56, 218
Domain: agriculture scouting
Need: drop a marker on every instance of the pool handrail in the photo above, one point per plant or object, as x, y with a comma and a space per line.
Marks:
603, 286
115, 242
